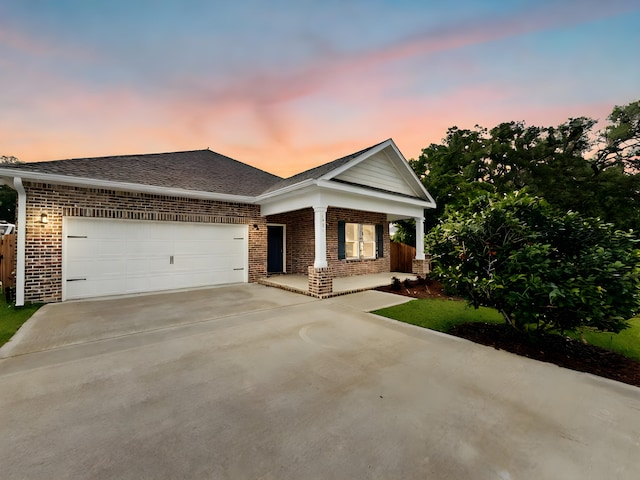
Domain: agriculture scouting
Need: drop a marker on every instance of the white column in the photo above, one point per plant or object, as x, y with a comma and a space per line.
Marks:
21, 241
419, 238
320, 229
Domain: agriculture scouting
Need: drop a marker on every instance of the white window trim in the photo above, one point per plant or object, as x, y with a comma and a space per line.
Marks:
360, 241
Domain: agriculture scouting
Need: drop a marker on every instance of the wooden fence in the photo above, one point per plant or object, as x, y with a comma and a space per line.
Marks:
402, 257
7, 260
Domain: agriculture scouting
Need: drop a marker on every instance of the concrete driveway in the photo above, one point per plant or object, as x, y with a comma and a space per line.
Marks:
253, 382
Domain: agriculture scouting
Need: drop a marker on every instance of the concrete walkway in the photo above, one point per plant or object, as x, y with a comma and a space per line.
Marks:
276, 385
341, 285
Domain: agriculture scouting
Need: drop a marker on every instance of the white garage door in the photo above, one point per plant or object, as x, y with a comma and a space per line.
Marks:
111, 257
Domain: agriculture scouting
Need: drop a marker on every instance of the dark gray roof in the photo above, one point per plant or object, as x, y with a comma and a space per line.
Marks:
197, 170
319, 171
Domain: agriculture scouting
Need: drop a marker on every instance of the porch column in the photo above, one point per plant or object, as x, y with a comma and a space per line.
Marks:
320, 229
420, 265
320, 275
419, 238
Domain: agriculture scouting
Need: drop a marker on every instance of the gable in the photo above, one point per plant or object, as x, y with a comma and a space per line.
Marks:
378, 172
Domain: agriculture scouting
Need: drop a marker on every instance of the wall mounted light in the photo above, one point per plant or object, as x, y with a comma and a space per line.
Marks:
255, 226
44, 218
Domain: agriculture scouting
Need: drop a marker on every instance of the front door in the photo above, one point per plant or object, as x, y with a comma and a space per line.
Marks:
275, 250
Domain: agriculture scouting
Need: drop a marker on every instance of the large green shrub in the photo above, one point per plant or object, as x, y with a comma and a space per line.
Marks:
537, 266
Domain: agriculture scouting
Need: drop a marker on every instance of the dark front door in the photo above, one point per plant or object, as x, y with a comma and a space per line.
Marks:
275, 242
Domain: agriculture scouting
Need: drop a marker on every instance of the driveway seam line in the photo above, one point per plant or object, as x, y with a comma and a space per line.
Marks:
115, 337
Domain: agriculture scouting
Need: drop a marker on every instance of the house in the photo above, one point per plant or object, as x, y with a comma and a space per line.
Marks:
91, 227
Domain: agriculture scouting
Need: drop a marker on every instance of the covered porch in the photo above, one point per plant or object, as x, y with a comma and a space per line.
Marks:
341, 285
328, 228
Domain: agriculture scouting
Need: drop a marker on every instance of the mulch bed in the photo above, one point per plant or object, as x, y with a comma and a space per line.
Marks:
425, 289
562, 351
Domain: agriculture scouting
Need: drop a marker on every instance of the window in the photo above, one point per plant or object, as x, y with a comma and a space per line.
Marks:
360, 241
357, 241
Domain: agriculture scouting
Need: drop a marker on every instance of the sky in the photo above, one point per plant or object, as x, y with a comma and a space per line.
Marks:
288, 85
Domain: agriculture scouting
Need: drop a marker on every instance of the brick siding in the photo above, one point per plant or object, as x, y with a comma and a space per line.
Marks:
43, 272
300, 251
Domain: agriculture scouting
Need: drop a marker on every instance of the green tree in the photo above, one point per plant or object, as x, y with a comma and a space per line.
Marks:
8, 196
538, 266
453, 171
620, 140
550, 162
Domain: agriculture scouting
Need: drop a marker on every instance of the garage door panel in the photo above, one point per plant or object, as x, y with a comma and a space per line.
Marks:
211, 277
107, 267
148, 283
149, 247
147, 266
87, 247
117, 256
210, 261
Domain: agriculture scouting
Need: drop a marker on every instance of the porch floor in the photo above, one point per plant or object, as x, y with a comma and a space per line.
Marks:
341, 285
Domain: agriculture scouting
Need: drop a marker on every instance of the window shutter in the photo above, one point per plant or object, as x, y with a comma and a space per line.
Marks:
341, 239
379, 241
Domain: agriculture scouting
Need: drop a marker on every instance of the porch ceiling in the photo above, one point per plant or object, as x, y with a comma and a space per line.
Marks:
324, 193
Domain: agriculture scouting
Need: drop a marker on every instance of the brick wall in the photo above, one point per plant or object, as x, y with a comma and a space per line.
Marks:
300, 251
300, 241
43, 279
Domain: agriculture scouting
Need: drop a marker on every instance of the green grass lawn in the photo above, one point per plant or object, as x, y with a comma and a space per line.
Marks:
442, 315
627, 342
12, 318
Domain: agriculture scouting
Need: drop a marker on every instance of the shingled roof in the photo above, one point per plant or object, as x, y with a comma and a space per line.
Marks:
196, 170
319, 171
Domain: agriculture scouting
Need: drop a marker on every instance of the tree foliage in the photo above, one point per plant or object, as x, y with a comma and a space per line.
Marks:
620, 140
556, 163
8, 196
538, 266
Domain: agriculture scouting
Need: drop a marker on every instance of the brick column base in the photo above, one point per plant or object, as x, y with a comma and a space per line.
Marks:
320, 281
421, 267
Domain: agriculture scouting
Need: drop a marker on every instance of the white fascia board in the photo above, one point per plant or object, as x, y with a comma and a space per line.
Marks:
396, 207
333, 194
124, 186
283, 191
297, 199
363, 191
410, 176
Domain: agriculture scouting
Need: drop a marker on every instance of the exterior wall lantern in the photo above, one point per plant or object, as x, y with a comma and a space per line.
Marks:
44, 218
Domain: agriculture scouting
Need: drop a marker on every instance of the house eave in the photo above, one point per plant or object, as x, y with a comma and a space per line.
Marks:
331, 185
328, 193
123, 186
285, 190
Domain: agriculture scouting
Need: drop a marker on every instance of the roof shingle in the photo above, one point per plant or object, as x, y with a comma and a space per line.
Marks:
319, 171
196, 170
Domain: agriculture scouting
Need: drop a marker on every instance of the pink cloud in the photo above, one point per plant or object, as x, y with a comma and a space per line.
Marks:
267, 97
283, 86
284, 121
